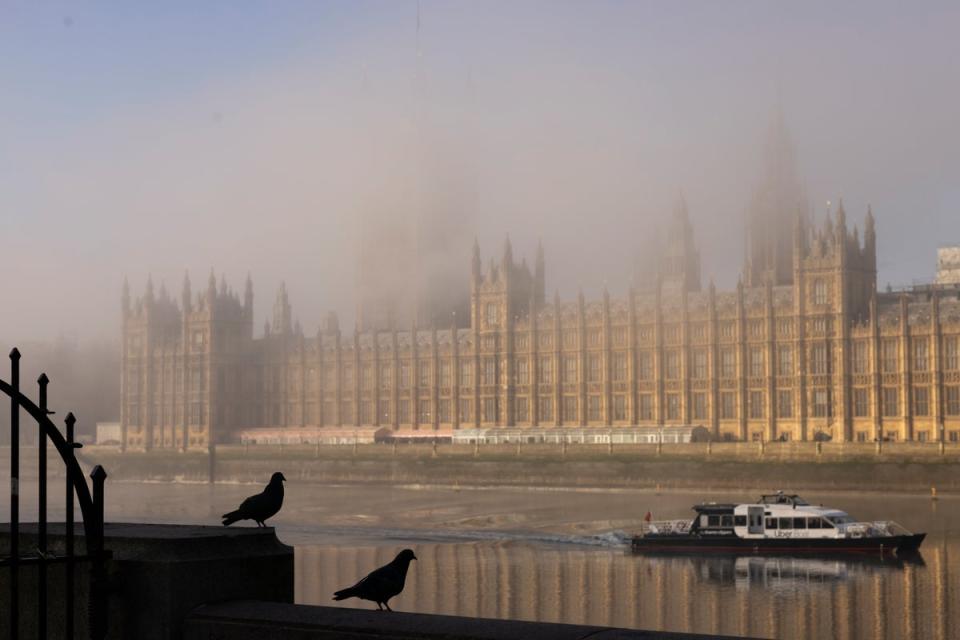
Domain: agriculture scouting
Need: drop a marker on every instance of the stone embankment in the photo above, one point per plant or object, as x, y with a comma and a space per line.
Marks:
187, 582
904, 467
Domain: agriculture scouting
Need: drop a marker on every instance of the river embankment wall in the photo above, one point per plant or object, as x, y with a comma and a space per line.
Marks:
726, 466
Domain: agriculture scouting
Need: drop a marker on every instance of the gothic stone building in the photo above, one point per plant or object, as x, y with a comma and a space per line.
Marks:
801, 353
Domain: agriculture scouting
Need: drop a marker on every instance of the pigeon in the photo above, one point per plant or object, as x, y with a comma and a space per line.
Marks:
382, 584
258, 508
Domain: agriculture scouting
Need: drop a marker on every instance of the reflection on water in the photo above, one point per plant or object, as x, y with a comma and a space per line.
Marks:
788, 574
540, 555
778, 597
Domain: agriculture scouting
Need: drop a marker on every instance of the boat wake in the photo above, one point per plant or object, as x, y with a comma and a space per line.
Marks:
306, 534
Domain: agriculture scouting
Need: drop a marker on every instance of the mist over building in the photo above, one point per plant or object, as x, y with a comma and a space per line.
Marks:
776, 209
412, 271
804, 347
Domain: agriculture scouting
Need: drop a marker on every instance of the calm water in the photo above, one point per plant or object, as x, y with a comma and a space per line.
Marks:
560, 556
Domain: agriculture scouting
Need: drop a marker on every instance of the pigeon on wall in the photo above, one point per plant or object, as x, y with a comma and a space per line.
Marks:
383, 583
258, 508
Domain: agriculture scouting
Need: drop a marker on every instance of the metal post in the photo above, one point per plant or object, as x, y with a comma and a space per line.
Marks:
68, 618
98, 593
14, 493
42, 381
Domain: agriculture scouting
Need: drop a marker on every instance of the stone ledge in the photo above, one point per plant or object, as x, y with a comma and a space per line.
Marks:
130, 541
157, 575
278, 621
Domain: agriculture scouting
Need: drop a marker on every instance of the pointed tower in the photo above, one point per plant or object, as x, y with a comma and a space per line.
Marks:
504, 291
211, 290
281, 312
248, 298
770, 215
185, 294
476, 266
681, 260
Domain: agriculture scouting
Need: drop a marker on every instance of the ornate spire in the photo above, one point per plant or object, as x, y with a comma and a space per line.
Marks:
680, 209
507, 254
248, 296
840, 228
281, 311
211, 286
185, 294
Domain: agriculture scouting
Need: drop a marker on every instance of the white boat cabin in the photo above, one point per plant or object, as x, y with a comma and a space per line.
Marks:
774, 516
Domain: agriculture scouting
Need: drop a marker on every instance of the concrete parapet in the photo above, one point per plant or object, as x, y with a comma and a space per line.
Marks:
275, 621
158, 574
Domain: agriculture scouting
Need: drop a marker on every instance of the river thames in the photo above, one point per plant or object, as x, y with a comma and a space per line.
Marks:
562, 556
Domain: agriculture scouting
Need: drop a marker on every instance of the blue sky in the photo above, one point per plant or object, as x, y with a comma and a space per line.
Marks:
162, 137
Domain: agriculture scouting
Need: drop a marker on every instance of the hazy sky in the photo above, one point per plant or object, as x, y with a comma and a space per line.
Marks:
161, 137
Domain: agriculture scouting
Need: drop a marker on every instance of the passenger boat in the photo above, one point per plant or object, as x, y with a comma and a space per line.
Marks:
777, 523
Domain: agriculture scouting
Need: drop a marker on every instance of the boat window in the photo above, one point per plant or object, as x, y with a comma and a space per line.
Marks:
713, 521
771, 523
727, 521
799, 523
786, 523
813, 523
740, 521
825, 523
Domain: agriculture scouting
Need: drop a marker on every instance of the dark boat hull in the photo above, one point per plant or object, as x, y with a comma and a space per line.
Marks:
686, 543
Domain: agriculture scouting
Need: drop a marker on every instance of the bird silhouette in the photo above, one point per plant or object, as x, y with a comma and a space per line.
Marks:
383, 583
258, 508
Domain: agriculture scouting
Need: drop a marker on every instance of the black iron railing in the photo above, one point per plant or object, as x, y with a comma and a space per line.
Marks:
91, 509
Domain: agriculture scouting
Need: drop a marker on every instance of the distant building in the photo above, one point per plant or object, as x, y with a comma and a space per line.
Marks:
948, 265
804, 348
109, 433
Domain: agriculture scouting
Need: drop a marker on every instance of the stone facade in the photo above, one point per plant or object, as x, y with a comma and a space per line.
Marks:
825, 356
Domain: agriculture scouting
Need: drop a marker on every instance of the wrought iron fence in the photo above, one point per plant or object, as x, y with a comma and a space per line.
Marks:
91, 509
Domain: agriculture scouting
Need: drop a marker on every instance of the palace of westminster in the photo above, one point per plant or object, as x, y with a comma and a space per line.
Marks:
804, 347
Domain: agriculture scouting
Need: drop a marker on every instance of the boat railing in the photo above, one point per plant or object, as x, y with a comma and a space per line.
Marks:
873, 529
891, 528
667, 527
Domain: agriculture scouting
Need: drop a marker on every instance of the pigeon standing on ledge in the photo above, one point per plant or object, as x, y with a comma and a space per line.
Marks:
382, 584
258, 508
